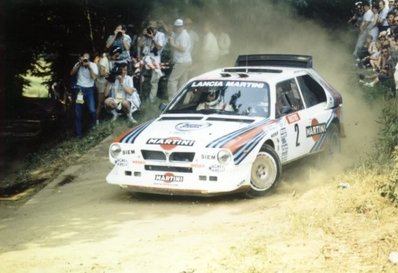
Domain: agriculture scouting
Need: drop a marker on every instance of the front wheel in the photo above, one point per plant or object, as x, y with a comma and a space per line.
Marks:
265, 172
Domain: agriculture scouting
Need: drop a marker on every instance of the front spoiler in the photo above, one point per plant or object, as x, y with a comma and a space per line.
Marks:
182, 192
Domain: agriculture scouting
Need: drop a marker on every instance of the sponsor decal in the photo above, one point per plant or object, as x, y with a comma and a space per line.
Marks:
217, 168
208, 157
315, 130
207, 84
128, 152
197, 165
192, 126
121, 162
170, 143
293, 118
138, 162
242, 84
274, 134
169, 178
284, 146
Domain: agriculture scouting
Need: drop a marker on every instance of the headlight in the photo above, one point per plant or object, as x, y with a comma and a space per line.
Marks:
115, 150
224, 156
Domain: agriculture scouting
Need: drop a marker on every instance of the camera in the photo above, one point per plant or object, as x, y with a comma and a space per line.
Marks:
155, 50
119, 34
116, 71
148, 31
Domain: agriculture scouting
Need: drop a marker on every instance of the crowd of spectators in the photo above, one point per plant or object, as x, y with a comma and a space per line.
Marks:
131, 66
376, 49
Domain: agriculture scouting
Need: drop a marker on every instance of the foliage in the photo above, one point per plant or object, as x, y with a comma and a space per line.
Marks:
60, 30
388, 136
389, 188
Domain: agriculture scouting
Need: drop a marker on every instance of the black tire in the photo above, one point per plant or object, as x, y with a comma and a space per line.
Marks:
332, 142
265, 172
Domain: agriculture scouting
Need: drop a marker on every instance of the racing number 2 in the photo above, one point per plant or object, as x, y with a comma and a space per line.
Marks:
297, 130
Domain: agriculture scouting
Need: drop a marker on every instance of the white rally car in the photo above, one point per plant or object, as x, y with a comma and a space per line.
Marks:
231, 130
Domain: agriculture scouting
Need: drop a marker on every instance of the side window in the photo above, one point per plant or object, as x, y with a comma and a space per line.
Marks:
313, 92
288, 98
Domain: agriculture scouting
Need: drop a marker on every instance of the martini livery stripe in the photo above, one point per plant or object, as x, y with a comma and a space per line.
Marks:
224, 140
317, 146
247, 148
130, 138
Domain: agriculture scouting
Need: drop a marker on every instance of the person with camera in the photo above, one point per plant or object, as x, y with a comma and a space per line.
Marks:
153, 43
121, 94
86, 72
122, 40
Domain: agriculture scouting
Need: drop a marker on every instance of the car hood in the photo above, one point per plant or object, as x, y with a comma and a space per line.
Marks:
169, 131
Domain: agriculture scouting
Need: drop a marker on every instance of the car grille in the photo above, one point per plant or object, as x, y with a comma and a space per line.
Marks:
168, 169
173, 157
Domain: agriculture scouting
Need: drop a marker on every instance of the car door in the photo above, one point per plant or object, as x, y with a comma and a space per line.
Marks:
318, 117
290, 113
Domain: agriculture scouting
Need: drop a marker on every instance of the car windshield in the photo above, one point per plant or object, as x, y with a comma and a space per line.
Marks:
224, 97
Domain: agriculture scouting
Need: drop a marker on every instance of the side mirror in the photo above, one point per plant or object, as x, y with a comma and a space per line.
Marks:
162, 106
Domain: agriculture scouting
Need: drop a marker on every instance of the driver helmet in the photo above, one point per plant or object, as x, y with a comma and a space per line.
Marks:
213, 97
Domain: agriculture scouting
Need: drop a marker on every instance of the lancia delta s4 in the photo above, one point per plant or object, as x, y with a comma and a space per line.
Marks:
232, 130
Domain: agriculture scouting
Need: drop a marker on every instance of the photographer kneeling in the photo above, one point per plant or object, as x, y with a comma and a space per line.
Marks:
123, 97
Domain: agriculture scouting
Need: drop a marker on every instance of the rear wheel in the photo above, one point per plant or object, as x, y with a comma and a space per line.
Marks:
265, 172
332, 142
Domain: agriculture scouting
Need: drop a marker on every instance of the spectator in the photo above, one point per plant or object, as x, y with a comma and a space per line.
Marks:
195, 45
122, 40
180, 43
394, 25
391, 5
363, 29
364, 54
86, 72
382, 20
154, 41
374, 30
386, 72
122, 95
210, 51
224, 44
357, 13
101, 82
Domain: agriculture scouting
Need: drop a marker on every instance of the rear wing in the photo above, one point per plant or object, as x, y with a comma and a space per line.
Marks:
289, 60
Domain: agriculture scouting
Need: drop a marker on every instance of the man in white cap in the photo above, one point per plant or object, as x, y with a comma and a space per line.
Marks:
180, 43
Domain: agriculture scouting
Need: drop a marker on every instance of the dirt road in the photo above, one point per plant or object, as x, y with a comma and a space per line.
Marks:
81, 224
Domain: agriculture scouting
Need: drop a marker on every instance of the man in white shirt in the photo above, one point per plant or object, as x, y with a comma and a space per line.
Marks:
363, 29
86, 73
382, 20
181, 45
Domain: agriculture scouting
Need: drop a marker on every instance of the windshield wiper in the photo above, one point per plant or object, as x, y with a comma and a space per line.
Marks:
216, 111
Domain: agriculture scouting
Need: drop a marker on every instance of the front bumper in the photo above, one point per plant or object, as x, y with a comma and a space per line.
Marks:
190, 184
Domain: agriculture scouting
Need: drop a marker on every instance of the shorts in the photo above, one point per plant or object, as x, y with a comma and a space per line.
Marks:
100, 84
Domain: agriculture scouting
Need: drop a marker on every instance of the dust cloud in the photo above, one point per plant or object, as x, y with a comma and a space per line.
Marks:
263, 27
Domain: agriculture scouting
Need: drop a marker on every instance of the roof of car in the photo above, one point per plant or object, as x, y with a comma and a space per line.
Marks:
270, 68
269, 74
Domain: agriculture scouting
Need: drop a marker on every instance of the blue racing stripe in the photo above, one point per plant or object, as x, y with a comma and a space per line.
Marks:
247, 148
130, 138
225, 139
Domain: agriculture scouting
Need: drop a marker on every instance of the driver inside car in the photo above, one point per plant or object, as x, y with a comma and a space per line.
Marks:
215, 101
